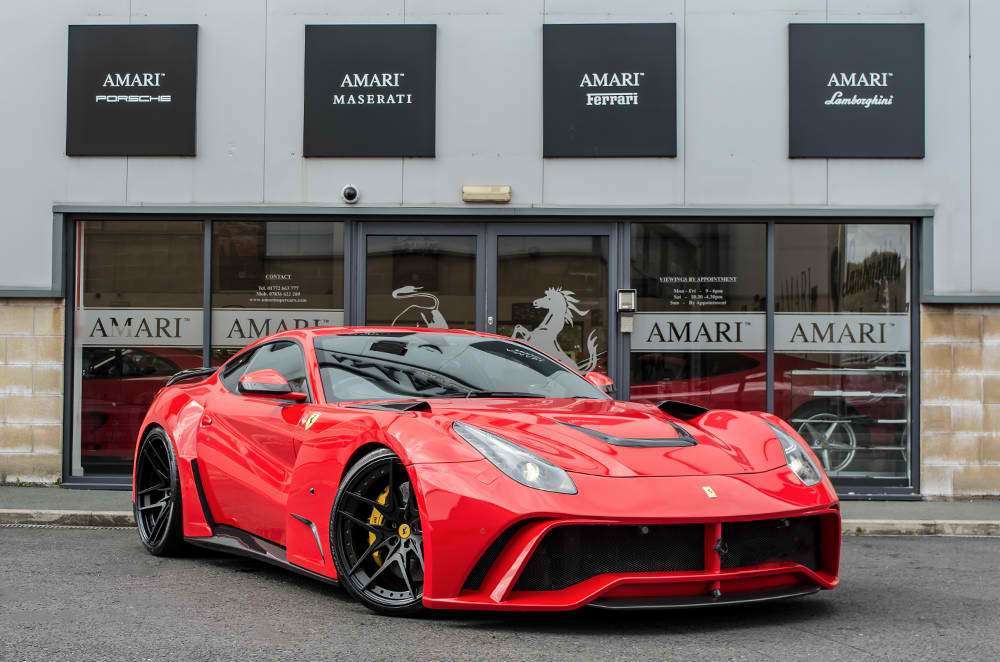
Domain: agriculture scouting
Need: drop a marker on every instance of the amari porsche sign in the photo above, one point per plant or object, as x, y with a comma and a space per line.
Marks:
610, 90
131, 90
369, 90
856, 90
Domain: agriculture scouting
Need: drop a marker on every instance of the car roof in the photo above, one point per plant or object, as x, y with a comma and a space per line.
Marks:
317, 331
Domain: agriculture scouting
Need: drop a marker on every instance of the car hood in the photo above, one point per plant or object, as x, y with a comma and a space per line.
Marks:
592, 436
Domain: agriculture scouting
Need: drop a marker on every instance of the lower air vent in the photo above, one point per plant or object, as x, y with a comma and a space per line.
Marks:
570, 554
489, 557
767, 541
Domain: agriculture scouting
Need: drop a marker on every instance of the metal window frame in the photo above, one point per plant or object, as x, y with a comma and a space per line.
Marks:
68, 225
617, 219
917, 226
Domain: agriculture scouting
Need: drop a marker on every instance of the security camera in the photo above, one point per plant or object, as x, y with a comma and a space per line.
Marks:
350, 194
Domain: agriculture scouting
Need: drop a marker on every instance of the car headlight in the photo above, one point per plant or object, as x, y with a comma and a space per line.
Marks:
521, 465
798, 460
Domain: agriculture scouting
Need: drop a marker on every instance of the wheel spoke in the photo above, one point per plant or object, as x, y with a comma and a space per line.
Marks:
160, 519
371, 502
152, 488
360, 522
418, 550
155, 463
374, 547
405, 572
159, 504
829, 431
391, 499
390, 559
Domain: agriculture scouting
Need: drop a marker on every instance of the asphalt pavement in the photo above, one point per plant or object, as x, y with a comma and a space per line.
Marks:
94, 594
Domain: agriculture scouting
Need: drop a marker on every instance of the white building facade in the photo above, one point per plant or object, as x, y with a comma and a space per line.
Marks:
800, 193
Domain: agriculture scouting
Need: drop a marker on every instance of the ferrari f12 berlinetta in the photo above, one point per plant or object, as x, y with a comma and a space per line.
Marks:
445, 469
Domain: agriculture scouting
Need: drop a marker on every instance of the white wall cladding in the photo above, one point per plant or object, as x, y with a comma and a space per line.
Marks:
732, 112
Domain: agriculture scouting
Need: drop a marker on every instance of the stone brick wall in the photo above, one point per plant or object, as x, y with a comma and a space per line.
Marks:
960, 401
31, 388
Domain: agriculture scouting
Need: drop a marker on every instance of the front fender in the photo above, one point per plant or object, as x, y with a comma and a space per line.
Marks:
178, 411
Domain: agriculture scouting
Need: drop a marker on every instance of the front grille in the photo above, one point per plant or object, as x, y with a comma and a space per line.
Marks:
764, 541
570, 554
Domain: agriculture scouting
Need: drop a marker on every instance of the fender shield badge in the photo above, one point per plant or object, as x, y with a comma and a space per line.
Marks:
709, 492
312, 418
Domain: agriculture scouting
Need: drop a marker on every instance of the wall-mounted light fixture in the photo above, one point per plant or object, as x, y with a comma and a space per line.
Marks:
486, 194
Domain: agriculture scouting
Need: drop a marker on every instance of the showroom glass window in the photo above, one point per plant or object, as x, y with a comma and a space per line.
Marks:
842, 345
138, 320
268, 276
700, 328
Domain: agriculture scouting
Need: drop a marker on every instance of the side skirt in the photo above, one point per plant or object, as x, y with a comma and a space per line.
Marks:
242, 543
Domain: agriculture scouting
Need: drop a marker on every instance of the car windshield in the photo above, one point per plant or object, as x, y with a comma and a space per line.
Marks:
408, 364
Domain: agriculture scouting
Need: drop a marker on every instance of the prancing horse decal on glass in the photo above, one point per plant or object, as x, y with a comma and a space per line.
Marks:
427, 310
561, 306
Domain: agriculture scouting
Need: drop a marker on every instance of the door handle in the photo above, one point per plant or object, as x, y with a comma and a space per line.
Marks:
206, 420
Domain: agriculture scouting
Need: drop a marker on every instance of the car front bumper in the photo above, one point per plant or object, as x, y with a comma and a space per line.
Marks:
639, 542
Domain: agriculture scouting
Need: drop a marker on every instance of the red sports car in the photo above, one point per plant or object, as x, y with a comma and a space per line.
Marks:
450, 469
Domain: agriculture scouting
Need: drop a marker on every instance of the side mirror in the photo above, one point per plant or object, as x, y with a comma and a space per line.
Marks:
600, 380
269, 384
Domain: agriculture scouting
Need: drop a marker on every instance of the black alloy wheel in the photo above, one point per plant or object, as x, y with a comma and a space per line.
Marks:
377, 538
157, 506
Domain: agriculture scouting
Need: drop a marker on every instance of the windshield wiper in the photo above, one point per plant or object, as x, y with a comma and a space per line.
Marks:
502, 394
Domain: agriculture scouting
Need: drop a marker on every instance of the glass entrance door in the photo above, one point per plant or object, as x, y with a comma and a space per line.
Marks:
421, 275
551, 286
547, 284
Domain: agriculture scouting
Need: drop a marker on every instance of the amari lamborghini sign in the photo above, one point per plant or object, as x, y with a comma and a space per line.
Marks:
856, 90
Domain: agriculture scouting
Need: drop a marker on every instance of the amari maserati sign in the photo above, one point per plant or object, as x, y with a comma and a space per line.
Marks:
131, 90
856, 90
369, 90
610, 90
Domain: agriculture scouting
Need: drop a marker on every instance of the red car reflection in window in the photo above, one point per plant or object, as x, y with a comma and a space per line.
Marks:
851, 408
117, 386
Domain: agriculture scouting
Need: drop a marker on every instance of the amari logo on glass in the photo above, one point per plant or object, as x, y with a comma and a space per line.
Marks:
118, 81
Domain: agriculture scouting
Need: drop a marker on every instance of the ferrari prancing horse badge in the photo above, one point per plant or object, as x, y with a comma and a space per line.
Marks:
312, 418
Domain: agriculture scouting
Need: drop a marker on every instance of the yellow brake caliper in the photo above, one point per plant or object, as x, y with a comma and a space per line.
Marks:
376, 520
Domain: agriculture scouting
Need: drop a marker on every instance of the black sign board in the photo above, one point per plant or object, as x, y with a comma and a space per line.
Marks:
610, 89
131, 90
856, 90
369, 90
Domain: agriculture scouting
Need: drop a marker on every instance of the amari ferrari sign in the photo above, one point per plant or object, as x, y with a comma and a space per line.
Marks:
610, 90
131, 90
856, 90
369, 90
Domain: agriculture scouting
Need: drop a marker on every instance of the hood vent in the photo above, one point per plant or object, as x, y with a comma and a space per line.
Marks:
682, 410
683, 438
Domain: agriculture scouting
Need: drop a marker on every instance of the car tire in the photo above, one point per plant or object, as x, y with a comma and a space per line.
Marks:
376, 536
157, 505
